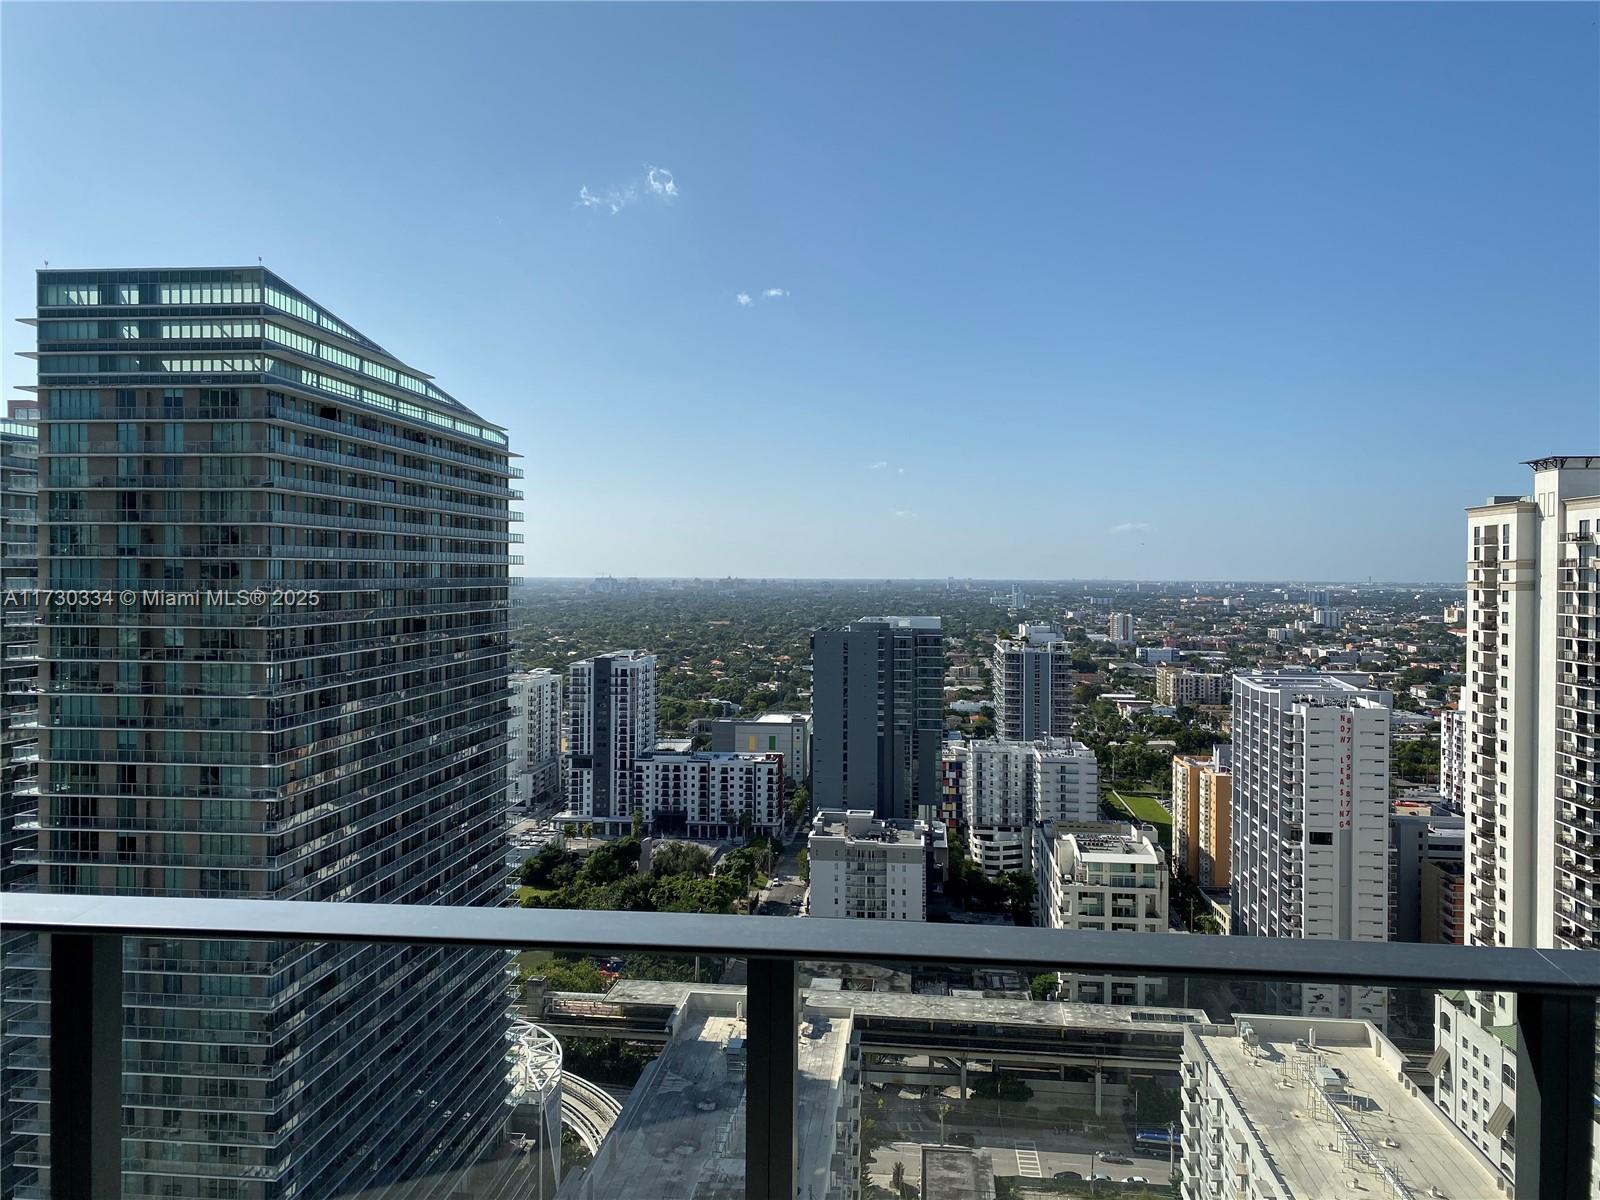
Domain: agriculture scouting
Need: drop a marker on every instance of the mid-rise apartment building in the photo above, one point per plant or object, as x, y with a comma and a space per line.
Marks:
1202, 821
952, 782
708, 793
611, 721
1443, 918
1531, 710
1033, 684
1278, 1106
1310, 817
788, 734
1329, 617
878, 716
1102, 876
535, 752
294, 687
869, 867
1415, 841
1011, 786
1453, 757
1176, 685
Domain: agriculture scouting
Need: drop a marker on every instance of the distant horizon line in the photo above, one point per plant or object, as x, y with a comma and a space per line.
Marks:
998, 582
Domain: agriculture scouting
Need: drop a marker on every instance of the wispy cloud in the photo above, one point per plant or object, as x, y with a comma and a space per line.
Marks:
1130, 527
877, 466
899, 470
902, 514
616, 199
657, 182
744, 300
775, 293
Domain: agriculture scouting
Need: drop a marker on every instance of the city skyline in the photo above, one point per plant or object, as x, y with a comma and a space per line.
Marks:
1186, 264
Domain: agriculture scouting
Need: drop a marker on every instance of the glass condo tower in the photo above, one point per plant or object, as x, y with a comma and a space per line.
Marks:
273, 664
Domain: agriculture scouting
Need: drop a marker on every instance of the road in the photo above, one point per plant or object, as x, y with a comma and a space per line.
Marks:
1022, 1158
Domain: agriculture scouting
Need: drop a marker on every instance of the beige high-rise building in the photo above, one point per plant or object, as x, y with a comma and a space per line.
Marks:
1177, 685
1202, 824
1531, 706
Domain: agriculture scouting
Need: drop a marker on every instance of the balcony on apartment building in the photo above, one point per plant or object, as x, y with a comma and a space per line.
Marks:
759, 1042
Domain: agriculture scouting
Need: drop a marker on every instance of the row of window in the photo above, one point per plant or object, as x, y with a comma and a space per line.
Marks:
87, 294
98, 364
80, 331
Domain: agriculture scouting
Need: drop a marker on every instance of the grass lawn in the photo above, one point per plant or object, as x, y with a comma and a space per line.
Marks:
1145, 808
524, 892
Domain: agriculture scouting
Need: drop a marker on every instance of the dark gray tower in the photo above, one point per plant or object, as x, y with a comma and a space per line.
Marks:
878, 715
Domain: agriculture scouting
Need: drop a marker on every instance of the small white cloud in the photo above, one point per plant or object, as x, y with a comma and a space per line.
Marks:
899, 470
877, 466
902, 514
775, 293
659, 180
615, 199
744, 299
1131, 527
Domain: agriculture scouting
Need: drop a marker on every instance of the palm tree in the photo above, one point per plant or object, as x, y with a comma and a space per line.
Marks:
588, 831
897, 1178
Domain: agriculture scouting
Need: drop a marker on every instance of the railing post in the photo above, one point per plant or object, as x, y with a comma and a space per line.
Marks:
772, 1049
1555, 1095
85, 1066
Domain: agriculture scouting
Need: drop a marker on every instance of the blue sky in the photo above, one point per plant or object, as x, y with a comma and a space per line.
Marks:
1254, 291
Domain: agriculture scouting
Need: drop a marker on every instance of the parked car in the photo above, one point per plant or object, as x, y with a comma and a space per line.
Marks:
1135, 1179
1066, 1175
1119, 1160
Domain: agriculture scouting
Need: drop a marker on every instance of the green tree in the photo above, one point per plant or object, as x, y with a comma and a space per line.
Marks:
1003, 1085
897, 1178
574, 975
799, 804
1019, 892
537, 870
637, 821
680, 858
1154, 1104
1040, 987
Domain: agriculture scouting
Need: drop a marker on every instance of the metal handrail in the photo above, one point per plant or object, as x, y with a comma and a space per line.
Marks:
1288, 960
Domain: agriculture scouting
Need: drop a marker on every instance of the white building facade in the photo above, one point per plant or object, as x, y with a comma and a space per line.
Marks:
870, 868
1453, 757
1033, 684
1107, 877
1310, 820
1281, 1107
1010, 786
708, 794
1530, 707
788, 734
535, 729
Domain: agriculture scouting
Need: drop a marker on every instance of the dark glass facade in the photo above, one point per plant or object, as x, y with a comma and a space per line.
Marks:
273, 664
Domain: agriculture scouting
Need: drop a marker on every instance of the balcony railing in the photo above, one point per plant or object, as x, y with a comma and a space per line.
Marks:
1555, 990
